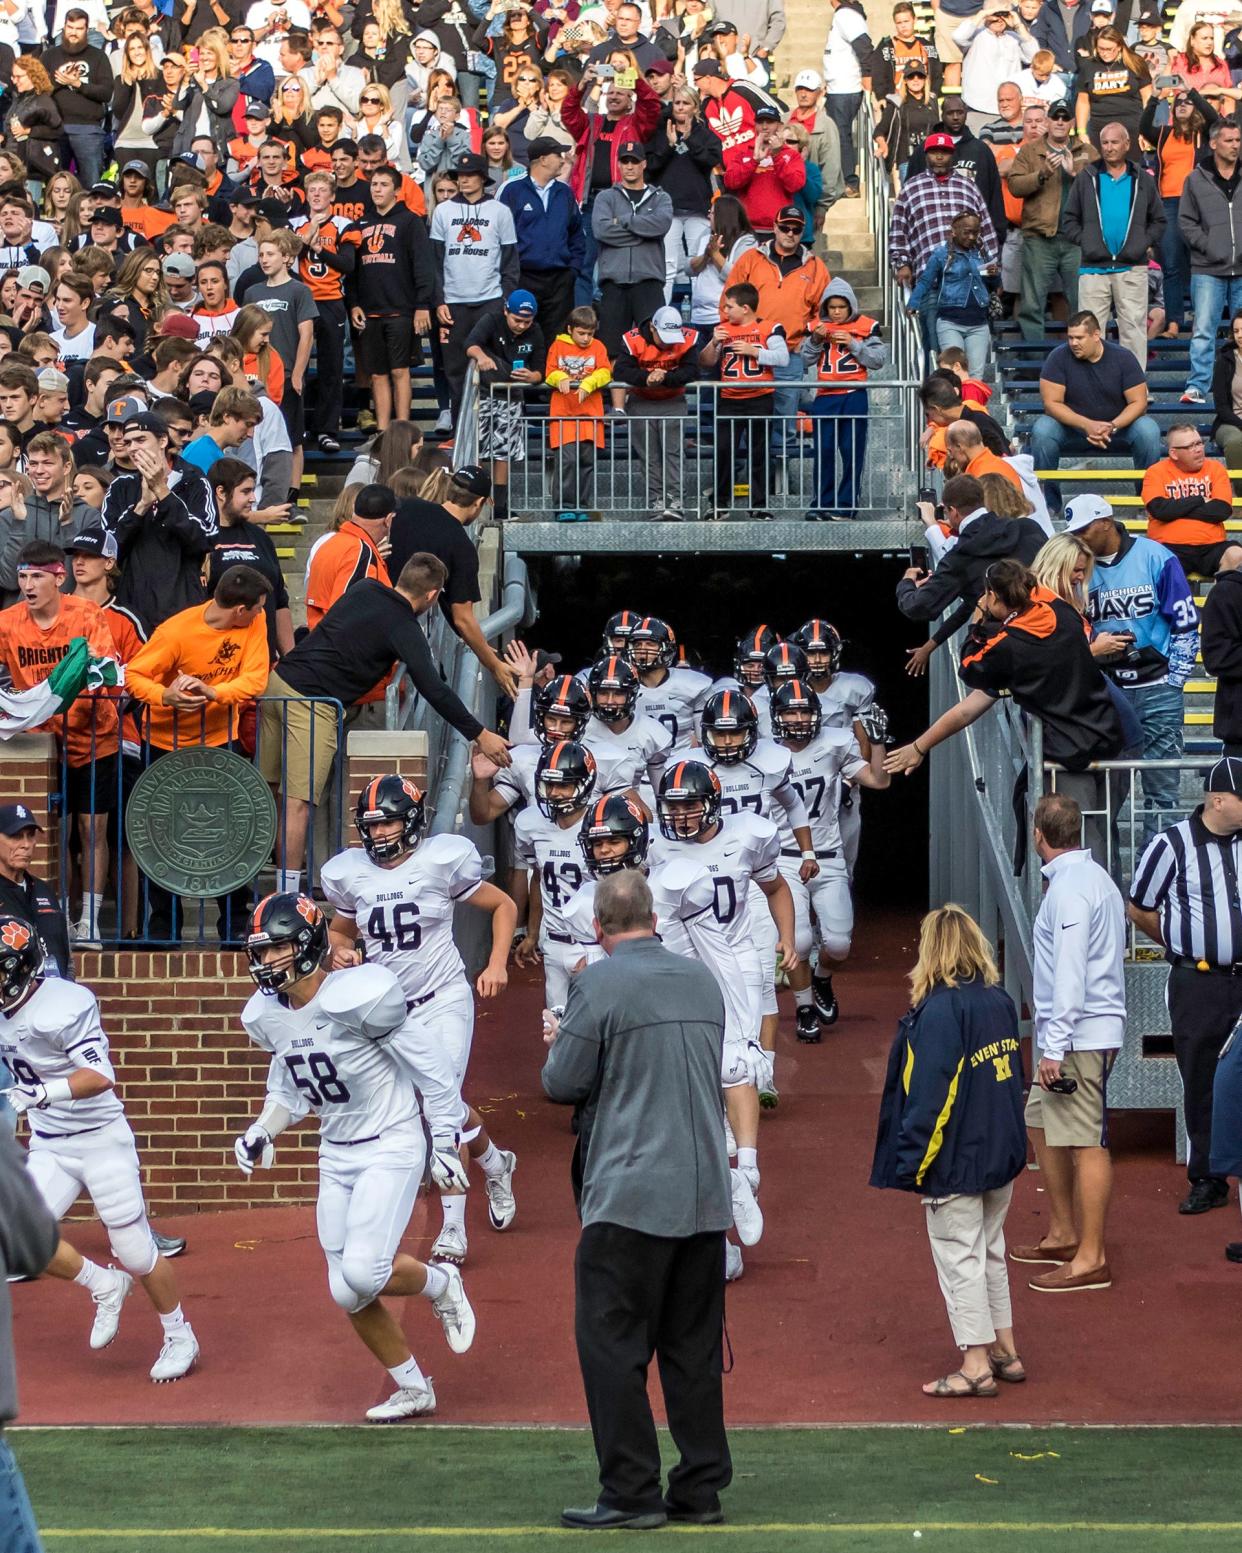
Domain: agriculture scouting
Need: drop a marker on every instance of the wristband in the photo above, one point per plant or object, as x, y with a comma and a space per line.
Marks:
808, 857
922, 754
57, 1091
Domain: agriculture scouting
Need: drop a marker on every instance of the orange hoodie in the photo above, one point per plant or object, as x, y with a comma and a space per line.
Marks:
790, 300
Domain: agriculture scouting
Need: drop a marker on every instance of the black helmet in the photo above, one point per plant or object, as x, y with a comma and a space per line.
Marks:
390, 798
686, 658
652, 644
21, 960
794, 700
818, 639
617, 631
563, 696
689, 781
609, 817
613, 673
286, 919
729, 711
564, 762
784, 661
751, 652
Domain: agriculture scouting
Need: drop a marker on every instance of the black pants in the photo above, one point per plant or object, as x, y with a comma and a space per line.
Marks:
330, 369
1203, 1009
639, 1295
621, 307
465, 316
554, 292
735, 419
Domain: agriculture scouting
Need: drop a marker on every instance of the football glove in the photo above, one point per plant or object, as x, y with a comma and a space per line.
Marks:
27, 1097
254, 1150
758, 1064
875, 724
446, 1167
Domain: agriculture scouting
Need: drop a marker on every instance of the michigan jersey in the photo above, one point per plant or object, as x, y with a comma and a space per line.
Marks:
676, 703
845, 698
53, 1035
405, 914
517, 780
629, 758
819, 771
553, 852
760, 784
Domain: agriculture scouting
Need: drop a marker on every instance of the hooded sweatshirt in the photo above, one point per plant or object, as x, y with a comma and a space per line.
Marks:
840, 368
960, 574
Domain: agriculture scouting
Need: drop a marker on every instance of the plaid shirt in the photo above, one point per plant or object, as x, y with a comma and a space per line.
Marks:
923, 213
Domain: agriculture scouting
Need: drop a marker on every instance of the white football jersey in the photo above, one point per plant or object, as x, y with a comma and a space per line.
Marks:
676, 704
405, 914
552, 850
330, 1057
845, 698
760, 784
697, 916
625, 759
819, 773
517, 781
745, 847
579, 914
54, 1034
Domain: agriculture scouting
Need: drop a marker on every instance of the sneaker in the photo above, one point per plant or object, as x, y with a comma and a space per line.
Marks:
501, 1208
733, 1262
567, 517
807, 1026
405, 1402
177, 1356
825, 999
672, 515
450, 1245
1192, 396
454, 1313
747, 1215
169, 1246
108, 1308
1204, 1196
815, 517
615, 410
764, 517
367, 421
444, 423
84, 935
327, 444
1233, 1252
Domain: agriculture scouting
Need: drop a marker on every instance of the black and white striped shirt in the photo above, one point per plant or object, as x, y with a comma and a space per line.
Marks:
1191, 877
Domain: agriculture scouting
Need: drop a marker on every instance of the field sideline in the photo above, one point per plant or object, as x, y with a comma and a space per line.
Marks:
796, 1489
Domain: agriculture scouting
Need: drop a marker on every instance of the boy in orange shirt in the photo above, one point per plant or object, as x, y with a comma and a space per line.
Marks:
747, 350
578, 369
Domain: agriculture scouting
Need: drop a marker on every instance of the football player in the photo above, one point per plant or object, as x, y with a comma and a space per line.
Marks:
667, 693
394, 900
562, 709
345, 1047
748, 660
630, 750
614, 834
785, 660
57, 1052
824, 762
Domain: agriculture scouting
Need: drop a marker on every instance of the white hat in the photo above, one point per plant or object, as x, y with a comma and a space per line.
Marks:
811, 79
666, 325
1083, 511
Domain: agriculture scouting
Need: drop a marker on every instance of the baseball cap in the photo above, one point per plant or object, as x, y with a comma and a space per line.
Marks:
1060, 110
1224, 777
257, 110
659, 67
106, 191
666, 325
52, 381
137, 167
475, 480
93, 541
710, 67
147, 420
273, 212
15, 817
203, 403
190, 159
914, 67
789, 213
122, 411
767, 115
631, 151
34, 275
810, 79
542, 145
719, 29
244, 196
374, 501
179, 264
940, 142
1102, 7
1083, 511
522, 303
176, 325
545, 660
107, 215
470, 162
1148, 17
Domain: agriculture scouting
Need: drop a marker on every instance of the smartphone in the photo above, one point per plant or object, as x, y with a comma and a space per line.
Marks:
920, 556
927, 494
604, 72
1063, 1086
1165, 82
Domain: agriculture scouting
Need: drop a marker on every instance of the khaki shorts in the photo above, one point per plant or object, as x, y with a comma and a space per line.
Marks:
1080, 1120
946, 26
297, 742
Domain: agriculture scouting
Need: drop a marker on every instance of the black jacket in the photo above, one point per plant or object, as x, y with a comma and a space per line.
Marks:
36, 902
161, 552
83, 104
959, 577
41, 149
1222, 388
1080, 220
685, 175
1221, 642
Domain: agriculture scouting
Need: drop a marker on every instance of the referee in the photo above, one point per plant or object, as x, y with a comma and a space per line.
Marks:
1187, 895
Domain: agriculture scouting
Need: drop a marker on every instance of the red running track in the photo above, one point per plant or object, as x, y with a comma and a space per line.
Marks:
837, 1319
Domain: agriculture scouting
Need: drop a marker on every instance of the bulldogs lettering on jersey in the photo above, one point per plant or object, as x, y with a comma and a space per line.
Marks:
405, 914
55, 1034
625, 759
344, 1076
745, 847
760, 784
517, 780
844, 699
819, 772
552, 850
676, 704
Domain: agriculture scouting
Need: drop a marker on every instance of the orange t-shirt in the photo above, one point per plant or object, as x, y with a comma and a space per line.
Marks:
31, 653
569, 421
234, 663
987, 463
1177, 162
148, 220
743, 377
127, 638
1165, 479
275, 384
1003, 156
346, 557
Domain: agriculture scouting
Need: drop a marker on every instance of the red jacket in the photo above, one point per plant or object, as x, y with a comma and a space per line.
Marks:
763, 190
639, 125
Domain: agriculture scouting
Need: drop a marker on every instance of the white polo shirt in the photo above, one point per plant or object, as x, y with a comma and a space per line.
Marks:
1079, 948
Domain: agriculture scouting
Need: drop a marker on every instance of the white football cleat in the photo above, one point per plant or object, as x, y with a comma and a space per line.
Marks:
177, 1356
405, 1402
747, 1215
108, 1308
449, 1245
733, 1262
501, 1207
454, 1312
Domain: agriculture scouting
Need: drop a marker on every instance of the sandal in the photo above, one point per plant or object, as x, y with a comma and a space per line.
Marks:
1007, 1367
981, 1386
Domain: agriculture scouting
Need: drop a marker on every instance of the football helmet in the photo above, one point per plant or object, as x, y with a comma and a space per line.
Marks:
560, 764
613, 673
617, 631
652, 644
821, 643
729, 711
784, 661
564, 697
286, 919
796, 712
688, 782
21, 960
688, 658
748, 657
611, 818
390, 797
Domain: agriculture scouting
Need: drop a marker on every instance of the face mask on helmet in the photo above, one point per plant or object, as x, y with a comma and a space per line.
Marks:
394, 803
21, 960
614, 689
688, 803
286, 922
729, 728
565, 703
796, 712
564, 778
784, 661
652, 645
614, 835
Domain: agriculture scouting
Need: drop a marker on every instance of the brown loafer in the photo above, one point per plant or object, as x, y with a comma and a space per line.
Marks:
1059, 1280
1042, 1254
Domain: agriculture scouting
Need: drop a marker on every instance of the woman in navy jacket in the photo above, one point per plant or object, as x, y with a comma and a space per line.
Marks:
951, 1129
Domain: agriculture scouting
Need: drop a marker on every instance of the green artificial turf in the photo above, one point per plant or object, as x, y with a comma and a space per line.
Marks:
803, 1490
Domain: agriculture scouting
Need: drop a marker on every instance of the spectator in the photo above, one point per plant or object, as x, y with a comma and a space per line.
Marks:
328, 254
1094, 396
1061, 28
748, 349
657, 360
1180, 143
729, 108
1150, 47
766, 172
1040, 176
509, 351
825, 149
842, 348
1189, 499
1112, 88
942, 401
82, 80
1200, 66
235, 414
995, 45
243, 541
1039, 82
578, 368
23, 894
548, 226
1114, 215
972, 158
1139, 594
848, 49
681, 157
32, 122
512, 114
630, 221
969, 455
1222, 656
1079, 997
1205, 218
352, 554
951, 1130
49, 512
1185, 897
291, 308
731, 236
907, 117
893, 56
952, 287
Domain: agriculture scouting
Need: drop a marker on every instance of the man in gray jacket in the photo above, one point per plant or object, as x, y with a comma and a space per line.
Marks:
1209, 218
51, 512
629, 221
638, 1051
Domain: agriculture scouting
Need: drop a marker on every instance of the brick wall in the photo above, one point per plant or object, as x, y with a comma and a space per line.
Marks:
29, 774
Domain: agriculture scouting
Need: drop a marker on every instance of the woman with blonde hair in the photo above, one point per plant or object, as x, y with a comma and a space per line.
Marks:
376, 118
293, 115
1064, 566
1004, 498
57, 196
252, 329
952, 1130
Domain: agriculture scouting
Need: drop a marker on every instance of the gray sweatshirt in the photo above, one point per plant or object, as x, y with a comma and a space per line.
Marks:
28, 1237
42, 521
630, 233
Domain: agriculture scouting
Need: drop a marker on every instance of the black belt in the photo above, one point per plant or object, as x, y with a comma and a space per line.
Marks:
560, 938
1185, 963
350, 1143
412, 1003
79, 1132
786, 852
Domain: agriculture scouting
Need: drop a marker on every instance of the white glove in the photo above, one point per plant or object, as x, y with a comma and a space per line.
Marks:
254, 1150
27, 1097
875, 724
446, 1167
758, 1064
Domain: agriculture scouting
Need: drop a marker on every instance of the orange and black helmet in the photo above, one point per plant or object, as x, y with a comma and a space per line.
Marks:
684, 783
750, 653
729, 711
821, 643
286, 919
617, 631
652, 644
613, 673
390, 797
612, 816
784, 661
796, 711
565, 697
564, 764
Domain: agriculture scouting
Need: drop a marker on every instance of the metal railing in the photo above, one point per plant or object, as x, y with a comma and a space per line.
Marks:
906, 355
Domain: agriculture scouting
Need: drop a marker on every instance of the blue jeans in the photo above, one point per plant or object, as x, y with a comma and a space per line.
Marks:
842, 108
18, 1532
974, 339
785, 405
86, 145
1051, 441
840, 422
584, 280
1210, 296
1175, 262
1161, 712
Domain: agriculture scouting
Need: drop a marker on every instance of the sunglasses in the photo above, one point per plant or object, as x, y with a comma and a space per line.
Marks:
377, 100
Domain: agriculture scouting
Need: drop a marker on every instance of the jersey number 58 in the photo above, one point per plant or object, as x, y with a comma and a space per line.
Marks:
321, 1086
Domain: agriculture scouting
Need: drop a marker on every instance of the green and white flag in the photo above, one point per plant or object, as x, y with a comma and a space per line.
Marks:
21, 710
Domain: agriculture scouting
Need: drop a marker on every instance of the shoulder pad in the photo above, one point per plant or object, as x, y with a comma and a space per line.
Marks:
365, 999
59, 1003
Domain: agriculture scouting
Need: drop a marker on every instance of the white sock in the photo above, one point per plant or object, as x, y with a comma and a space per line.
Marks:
92, 906
748, 1159
437, 1282
409, 1376
802, 997
492, 1163
454, 1206
93, 1277
173, 1321
288, 881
